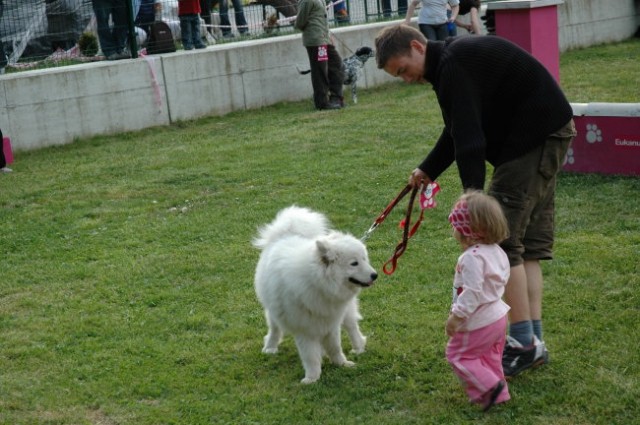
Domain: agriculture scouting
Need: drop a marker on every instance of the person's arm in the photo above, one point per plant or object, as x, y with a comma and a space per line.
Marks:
303, 15
474, 18
410, 10
454, 13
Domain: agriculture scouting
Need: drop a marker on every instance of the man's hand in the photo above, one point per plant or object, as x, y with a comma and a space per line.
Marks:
418, 177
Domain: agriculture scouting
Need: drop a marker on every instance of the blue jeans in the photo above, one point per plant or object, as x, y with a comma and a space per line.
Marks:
241, 22
190, 30
434, 32
112, 40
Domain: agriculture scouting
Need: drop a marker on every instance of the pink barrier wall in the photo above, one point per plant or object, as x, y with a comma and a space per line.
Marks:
608, 140
532, 25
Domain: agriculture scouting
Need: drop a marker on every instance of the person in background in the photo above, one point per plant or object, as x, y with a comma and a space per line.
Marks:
205, 13
189, 14
386, 8
472, 8
146, 15
113, 40
340, 13
433, 19
478, 318
225, 23
4, 60
327, 76
500, 105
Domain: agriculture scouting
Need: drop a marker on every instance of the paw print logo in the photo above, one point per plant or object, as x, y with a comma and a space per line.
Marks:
569, 158
594, 134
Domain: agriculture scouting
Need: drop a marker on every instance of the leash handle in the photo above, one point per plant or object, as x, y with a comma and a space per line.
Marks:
390, 266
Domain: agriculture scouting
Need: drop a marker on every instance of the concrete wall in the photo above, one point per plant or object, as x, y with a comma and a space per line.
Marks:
55, 106
587, 22
58, 105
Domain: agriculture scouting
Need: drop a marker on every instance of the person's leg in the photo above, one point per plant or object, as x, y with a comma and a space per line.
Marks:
402, 8
225, 24
525, 187
470, 354
534, 286
442, 32
516, 295
386, 8
102, 10
205, 13
185, 32
539, 237
196, 34
241, 21
120, 25
428, 31
319, 75
335, 75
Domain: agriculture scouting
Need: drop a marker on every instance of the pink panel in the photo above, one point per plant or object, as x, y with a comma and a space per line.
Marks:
535, 30
6, 149
607, 145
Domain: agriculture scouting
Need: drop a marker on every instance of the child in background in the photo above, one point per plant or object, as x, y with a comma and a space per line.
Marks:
189, 14
327, 76
478, 318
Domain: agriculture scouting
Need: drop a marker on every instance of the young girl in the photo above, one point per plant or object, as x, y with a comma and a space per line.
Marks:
477, 321
189, 14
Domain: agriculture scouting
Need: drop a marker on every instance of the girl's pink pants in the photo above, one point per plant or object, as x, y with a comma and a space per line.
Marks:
476, 357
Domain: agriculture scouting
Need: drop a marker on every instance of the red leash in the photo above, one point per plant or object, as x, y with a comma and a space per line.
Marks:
426, 201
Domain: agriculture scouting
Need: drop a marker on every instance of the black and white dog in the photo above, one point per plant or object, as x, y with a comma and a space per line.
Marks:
352, 68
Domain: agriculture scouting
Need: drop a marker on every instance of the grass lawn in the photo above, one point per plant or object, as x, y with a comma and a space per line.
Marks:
127, 294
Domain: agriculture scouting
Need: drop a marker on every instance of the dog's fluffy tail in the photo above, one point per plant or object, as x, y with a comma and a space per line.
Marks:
292, 221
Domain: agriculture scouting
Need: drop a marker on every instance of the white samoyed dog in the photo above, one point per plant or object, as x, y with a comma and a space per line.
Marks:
308, 279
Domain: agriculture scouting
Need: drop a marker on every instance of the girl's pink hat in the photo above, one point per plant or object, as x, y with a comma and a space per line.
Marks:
461, 220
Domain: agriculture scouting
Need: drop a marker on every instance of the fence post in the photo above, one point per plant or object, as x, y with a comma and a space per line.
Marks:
133, 41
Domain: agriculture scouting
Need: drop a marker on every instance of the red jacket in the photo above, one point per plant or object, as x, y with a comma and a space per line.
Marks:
188, 7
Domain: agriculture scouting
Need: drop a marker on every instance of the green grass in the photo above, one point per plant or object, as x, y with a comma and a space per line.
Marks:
126, 291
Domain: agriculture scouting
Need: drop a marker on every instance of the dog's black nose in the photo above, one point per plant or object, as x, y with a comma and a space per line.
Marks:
374, 276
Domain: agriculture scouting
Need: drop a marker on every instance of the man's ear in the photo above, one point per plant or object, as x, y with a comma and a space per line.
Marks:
417, 46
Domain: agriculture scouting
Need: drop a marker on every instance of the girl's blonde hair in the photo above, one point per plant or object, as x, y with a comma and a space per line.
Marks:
486, 218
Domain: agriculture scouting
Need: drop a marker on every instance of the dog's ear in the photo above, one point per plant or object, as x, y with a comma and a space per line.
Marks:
327, 255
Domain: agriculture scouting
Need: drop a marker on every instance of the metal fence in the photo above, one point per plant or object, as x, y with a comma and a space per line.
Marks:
45, 33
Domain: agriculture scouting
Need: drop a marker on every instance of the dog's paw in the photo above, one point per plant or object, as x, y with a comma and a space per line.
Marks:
358, 344
269, 350
357, 350
348, 363
307, 381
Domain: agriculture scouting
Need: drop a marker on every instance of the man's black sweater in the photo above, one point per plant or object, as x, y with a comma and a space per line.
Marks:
497, 101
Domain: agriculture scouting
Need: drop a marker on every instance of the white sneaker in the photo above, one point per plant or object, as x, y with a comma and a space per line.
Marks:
6, 170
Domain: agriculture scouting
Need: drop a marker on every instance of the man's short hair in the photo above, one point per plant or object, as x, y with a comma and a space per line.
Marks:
395, 40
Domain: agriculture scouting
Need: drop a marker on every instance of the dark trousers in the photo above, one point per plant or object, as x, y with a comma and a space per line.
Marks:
225, 23
205, 13
386, 8
327, 76
112, 40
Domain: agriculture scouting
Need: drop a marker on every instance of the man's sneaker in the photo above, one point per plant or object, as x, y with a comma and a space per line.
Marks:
542, 354
516, 358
